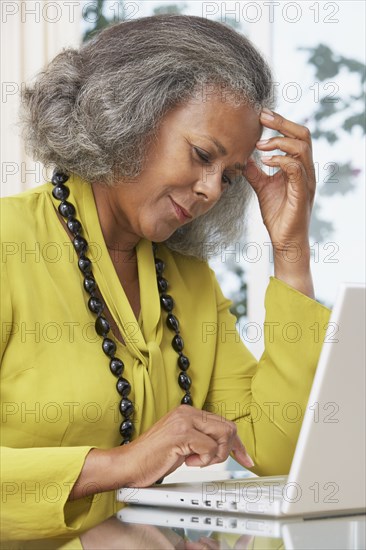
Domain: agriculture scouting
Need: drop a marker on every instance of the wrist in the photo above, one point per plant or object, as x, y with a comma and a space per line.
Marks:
120, 469
93, 478
292, 266
295, 253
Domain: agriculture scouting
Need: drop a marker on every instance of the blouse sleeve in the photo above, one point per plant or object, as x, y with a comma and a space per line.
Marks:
35, 486
267, 398
36, 482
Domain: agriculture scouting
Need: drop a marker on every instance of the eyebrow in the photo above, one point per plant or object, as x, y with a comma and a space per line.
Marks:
222, 149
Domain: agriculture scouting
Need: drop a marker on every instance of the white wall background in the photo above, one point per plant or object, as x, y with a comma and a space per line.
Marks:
32, 33
341, 26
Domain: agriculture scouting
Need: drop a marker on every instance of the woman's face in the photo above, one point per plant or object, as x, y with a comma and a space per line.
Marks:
188, 168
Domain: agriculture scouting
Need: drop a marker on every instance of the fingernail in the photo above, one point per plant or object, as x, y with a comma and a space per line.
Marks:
266, 159
266, 115
262, 141
250, 461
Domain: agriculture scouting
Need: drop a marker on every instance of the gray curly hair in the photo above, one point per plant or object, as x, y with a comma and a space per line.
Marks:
93, 111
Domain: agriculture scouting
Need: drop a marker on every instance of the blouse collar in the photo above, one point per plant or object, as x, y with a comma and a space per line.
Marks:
136, 335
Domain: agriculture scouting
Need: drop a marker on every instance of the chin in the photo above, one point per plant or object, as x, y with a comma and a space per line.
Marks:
161, 237
157, 234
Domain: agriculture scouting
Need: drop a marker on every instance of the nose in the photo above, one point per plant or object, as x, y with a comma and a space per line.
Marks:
209, 187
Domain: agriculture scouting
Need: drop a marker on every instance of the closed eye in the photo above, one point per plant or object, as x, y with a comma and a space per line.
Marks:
206, 159
202, 155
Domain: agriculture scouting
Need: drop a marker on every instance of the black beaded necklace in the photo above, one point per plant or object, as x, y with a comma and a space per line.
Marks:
96, 306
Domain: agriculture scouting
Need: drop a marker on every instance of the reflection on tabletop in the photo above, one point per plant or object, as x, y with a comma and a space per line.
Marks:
163, 529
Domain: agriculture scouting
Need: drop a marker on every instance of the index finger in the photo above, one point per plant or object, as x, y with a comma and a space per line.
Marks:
273, 120
224, 433
241, 454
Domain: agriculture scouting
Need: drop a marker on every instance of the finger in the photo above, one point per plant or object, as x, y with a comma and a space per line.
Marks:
223, 431
254, 175
209, 544
294, 147
203, 543
238, 449
211, 439
293, 170
199, 461
202, 449
243, 542
241, 454
273, 120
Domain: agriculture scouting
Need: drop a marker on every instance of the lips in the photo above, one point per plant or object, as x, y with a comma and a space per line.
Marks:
182, 214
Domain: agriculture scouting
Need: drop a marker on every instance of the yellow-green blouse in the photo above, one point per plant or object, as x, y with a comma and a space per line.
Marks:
58, 396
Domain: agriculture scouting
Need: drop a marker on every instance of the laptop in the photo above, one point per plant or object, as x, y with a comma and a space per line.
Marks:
295, 532
327, 474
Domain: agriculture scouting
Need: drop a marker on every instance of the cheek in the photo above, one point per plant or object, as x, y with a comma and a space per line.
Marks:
162, 180
177, 171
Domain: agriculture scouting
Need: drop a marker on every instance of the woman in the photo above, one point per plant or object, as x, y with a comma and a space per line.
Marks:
152, 127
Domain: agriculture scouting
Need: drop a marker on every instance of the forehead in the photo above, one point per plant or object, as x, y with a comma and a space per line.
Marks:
218, 118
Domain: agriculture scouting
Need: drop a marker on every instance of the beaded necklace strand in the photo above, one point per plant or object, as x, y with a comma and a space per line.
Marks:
96, 305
